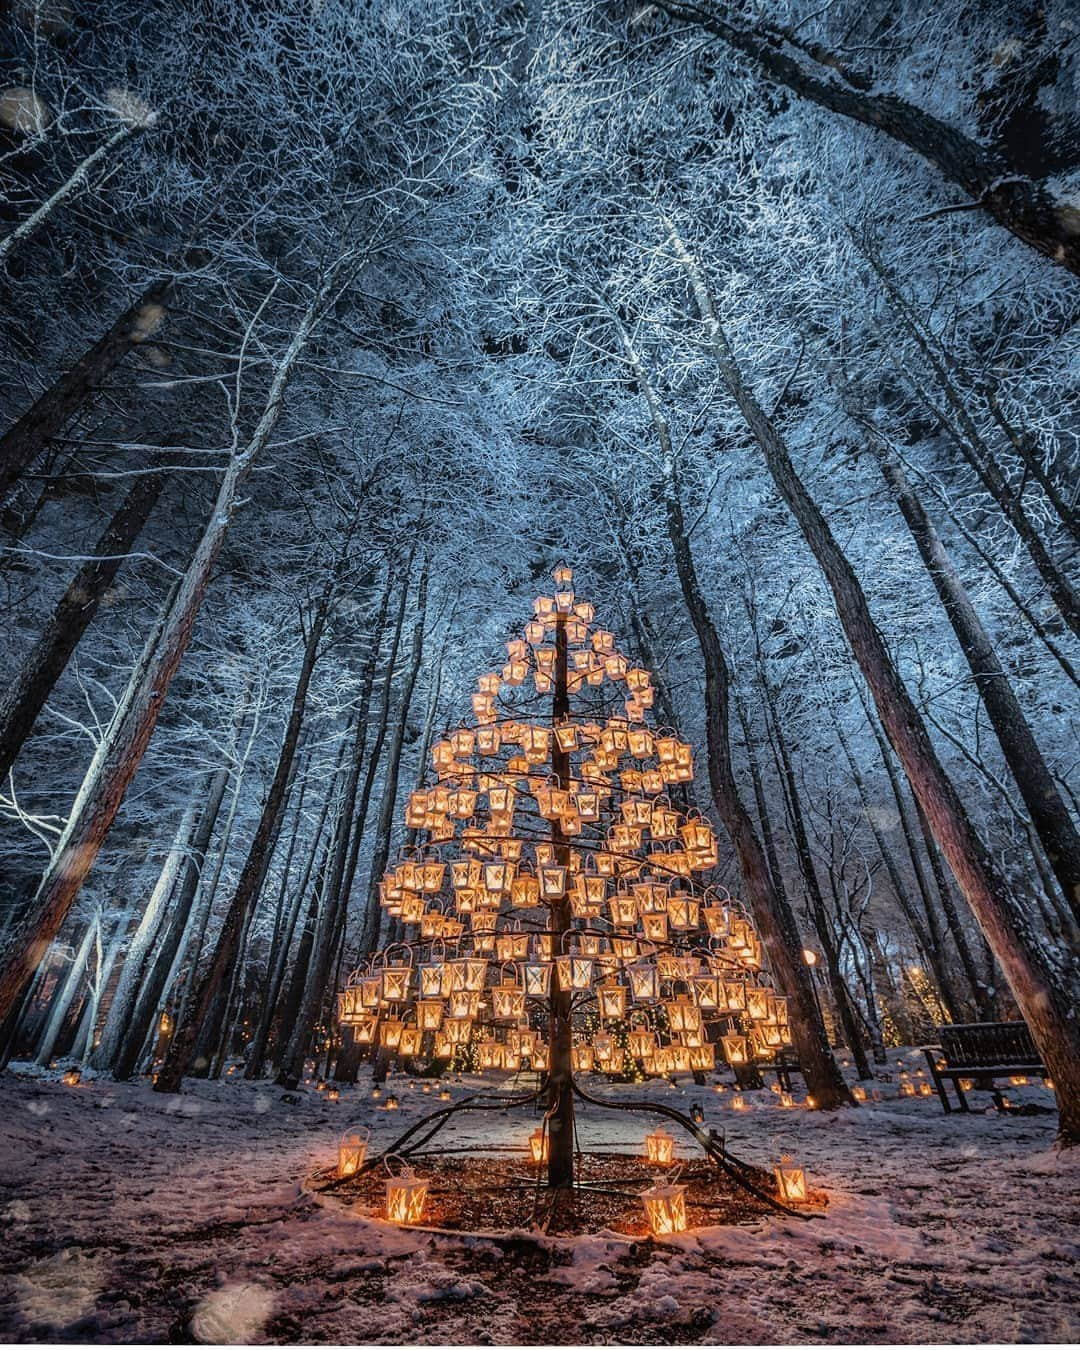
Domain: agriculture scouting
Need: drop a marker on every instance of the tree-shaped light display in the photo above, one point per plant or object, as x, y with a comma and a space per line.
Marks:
556, 915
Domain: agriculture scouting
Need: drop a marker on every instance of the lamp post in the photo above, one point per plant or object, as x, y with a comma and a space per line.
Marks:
810, 957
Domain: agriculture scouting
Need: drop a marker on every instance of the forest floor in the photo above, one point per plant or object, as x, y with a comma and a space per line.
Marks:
129, 1216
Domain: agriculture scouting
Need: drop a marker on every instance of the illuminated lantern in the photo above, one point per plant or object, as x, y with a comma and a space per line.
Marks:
512, 946
716, 920
552, 881
624, 910
708, 991
390, 1033
364, 1029
735, 1049
71, 1077
395, 983
582, 1058
575, 972
429, 1014
537, 977
611, 1001
682, 913
660, 1148
525, 891
702, 1057
665, 1209
508, 1001
406, 1196
738, 1102
859, 1093
757, 1004
410, 1042
644, 983
351, 1152
791, 1183
463, 741
655, 927
538, 1146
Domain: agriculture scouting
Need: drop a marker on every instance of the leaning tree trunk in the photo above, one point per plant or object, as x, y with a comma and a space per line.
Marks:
1044, 986
22, 443
120, 751
772, 911
1025, 207
1049, 814
47, 660
182, 1046
139, 947
145, 1010
58, 1010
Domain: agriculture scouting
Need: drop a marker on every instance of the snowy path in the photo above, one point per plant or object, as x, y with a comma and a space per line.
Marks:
133, 1217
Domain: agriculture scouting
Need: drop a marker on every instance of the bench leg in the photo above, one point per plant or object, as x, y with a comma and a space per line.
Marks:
939, 1083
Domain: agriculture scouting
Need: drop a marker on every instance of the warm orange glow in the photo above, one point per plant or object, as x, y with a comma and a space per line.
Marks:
405, 1198
538, 1146
791, 1183
660, 1148
665, 1209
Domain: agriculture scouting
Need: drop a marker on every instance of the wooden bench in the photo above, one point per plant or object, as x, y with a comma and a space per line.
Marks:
980, 1050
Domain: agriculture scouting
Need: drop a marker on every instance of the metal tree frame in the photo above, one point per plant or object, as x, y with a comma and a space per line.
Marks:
560, 1086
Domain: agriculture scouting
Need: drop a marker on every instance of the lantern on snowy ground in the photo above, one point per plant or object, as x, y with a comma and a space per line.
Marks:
859, 1093
738, 1102
351, 1153
72, 1077
665, 1209
660, 1148
538, 1146
791, 1183
406, 1196
333, 1094
392, 1103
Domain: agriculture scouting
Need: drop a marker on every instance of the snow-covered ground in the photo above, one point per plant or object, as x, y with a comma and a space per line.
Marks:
128, 1216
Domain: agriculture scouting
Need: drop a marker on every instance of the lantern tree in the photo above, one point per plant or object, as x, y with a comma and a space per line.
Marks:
558, 893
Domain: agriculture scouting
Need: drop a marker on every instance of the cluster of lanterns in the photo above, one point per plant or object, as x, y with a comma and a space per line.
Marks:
664, 1203
600, 840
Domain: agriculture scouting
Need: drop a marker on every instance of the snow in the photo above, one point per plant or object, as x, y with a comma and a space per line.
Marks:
130, 1216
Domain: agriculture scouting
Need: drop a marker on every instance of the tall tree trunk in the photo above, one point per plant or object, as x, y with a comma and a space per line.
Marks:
1044, 988
22, 443
1049, 814
829, 946
350, 828
120, 752
928, 933
47, 660
182, 1046
768, 839
1022, 205
146, 1008
772, 911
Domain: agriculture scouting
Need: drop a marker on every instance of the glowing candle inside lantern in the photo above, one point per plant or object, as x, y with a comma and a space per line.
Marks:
660, 1148
405, 1198
791, 1183
665, 1209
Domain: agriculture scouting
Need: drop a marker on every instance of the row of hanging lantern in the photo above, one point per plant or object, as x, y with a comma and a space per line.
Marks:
646, 933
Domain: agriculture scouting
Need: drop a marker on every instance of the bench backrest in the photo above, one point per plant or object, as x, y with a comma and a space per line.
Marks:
988, 1043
